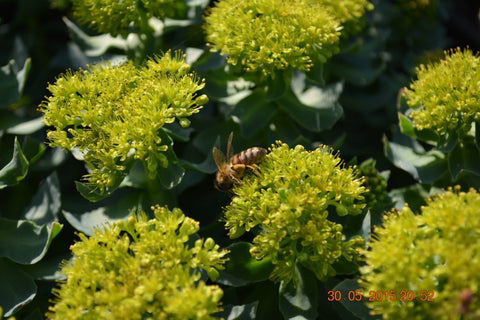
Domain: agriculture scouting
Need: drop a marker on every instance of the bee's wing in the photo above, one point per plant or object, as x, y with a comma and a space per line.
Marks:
229, 147
218, 157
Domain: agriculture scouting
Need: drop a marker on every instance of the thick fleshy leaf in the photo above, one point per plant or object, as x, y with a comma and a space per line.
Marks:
414, 195
406, 125
48, 269
88, 216
171, 175
277, 86
343, 266
239, 312
447, 142
254, 112
464, 160
12, 81
94, 45
358, 62
177, 132
26, 127
366, 230
477, 135
33, 149
425, 167
316, 74
46, 203
207, 166
352, 298
17, 289
242, 269
300, 302
315, 109
16, 169
25, 242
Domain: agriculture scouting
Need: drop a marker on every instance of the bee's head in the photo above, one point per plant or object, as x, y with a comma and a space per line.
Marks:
222, 182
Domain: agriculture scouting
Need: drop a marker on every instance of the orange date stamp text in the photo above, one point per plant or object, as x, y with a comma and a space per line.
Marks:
379, 295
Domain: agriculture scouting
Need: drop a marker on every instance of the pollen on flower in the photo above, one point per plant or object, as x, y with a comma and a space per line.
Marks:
137, 267
113, 114
445, 96
436, 251
289, 202
267, 36
123, 17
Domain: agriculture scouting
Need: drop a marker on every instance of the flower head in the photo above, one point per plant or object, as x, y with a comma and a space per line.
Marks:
290, 202
445, 97
123, 17
374, 182
437, 251
348, 12
141, 268
267, 35
112, 115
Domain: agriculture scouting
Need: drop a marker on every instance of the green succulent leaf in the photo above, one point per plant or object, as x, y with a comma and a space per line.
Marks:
406, 126
46, 203
464, 160
353, 302
16, 169
477, 134
254, 112
359, 66
300, 302
424, 166
17, 289
25, 242
89, 217
277, 86
447, 142
242, 269
13, 80
315, 109
33, 149
239, 312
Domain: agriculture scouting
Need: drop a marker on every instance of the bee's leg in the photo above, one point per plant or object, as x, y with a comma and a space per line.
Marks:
234, 179
252, 168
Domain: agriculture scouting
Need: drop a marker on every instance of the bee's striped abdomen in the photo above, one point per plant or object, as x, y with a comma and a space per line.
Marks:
249, 156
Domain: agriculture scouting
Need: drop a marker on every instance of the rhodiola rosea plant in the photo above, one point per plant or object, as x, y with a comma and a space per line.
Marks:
108, 117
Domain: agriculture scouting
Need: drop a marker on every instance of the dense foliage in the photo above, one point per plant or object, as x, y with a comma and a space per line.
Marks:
370, 114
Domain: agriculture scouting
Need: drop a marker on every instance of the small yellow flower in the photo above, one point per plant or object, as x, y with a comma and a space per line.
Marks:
267, 35
113, 115
123, 17
446, 96
141, 267
436, 253
289, 204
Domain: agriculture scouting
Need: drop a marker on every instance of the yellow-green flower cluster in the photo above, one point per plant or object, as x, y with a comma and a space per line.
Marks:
123, 17
289, 202
113, 114
437, 252
348, 12
446, 96
374, 182
139, 269
267, 35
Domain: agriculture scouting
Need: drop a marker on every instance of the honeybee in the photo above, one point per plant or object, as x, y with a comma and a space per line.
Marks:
231, 170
